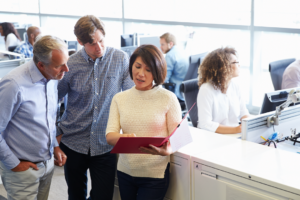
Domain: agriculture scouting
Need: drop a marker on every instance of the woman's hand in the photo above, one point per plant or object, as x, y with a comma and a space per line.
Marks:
112, 137
238, 129
164, 150
128, 135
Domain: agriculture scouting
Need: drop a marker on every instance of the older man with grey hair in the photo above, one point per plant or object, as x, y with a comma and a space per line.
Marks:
28, 145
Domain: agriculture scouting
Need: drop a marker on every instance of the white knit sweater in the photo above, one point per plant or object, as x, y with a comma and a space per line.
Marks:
154, 112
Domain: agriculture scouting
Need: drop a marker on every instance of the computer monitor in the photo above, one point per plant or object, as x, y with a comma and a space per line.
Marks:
21, 32
127, 40
275, 98
154, 40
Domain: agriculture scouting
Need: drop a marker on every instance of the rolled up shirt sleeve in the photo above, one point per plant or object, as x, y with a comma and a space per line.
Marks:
205, 102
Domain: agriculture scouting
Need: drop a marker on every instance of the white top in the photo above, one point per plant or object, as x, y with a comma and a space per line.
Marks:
291, 76
11, 40
150, 113
215, 108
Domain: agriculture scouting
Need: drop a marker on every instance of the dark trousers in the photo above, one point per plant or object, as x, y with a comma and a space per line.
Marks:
102, 170
137, 188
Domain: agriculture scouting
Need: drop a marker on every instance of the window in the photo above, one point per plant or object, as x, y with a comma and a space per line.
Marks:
269, 47
206, 11
63, 27
277, 13
99, 8
28, 6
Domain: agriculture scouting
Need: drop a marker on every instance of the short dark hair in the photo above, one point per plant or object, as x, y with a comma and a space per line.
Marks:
86, 26
154, 59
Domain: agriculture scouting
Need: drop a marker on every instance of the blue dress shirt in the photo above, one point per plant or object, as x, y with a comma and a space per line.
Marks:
26, 49
177, 64
28, 114
90, 86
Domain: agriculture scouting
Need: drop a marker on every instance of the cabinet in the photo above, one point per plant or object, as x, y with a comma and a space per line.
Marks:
209, 183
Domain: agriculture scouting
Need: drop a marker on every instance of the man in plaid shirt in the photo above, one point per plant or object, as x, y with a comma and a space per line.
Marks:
26, 48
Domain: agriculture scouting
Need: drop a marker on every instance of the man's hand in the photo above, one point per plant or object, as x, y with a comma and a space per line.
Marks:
58, 138
60, 157
23, 166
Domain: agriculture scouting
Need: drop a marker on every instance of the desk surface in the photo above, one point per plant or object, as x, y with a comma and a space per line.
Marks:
279, 167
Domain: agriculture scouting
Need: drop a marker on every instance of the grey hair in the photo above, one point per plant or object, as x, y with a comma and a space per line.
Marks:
43, 47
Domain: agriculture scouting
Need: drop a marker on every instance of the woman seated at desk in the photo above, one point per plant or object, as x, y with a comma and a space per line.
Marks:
144, 110
10, 34
220, 103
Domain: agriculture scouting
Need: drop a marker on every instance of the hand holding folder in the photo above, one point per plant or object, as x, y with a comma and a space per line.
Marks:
132, 144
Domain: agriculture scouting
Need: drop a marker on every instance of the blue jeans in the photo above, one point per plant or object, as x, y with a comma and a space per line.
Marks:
102, 170
138, 188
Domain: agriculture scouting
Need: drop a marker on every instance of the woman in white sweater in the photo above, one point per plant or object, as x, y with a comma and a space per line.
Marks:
220, 103
10, 34
145, 110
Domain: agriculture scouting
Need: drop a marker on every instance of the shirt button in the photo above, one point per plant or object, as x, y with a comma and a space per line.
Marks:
92, 132
94, 120
96, 107
95, 78
96, 93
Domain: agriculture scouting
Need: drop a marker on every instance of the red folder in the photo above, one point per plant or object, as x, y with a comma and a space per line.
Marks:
132, 144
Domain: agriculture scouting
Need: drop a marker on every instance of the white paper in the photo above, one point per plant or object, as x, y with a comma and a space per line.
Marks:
181, 137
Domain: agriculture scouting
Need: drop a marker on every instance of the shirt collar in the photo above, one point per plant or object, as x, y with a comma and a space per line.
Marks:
88, 58
28, 43
35, 73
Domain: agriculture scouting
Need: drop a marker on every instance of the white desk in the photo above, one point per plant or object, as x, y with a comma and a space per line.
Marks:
224, 166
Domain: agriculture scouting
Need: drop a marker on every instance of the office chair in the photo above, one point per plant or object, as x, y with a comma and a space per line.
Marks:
195, 61
276, 70
190, 90
12, 48
72, 45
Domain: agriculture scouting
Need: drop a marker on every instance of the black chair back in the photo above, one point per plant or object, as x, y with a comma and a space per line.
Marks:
195, 61
276, 70
12, 48
129, 50
190, 90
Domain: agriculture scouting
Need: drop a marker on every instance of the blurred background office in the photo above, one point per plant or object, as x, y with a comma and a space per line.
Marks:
261, 31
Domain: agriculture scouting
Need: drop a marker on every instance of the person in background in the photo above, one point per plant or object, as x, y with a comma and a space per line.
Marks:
10, 34
177, 62
220, 103
291, 76
146, 110
28, 145
26, 48
97, 73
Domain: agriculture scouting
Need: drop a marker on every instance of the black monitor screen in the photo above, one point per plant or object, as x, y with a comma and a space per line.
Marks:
274, 99
126, 40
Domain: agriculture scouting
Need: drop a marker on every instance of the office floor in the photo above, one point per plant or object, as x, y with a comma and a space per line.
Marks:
58, 188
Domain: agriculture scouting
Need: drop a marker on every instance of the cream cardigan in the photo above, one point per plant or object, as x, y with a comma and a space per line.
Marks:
150, 113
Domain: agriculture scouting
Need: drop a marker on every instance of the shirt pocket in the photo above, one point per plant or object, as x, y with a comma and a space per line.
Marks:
111, 85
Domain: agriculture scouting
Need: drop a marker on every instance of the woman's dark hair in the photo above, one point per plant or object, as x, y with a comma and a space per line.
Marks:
9, 28
216, 68
154, 59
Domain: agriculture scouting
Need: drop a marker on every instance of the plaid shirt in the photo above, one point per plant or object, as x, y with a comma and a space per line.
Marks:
90, 86
26, 49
